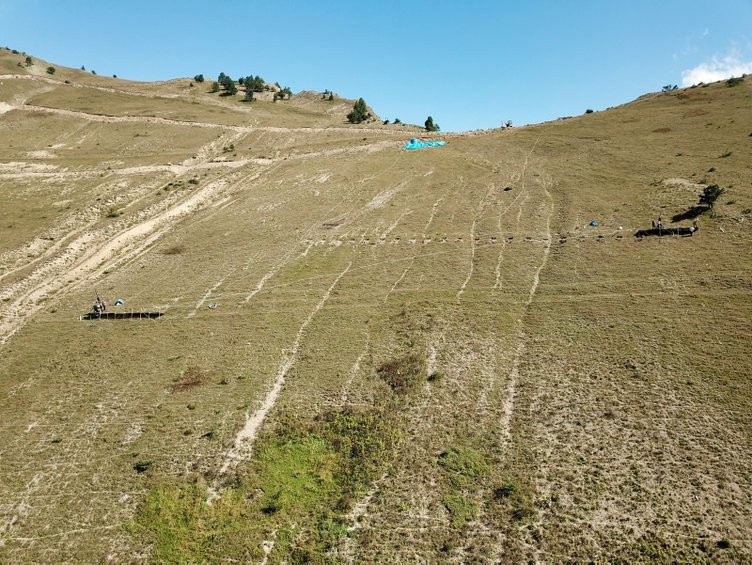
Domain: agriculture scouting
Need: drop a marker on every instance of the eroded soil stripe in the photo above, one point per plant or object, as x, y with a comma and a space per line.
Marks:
245, 439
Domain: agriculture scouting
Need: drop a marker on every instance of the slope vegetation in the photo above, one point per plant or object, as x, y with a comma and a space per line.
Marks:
369, 354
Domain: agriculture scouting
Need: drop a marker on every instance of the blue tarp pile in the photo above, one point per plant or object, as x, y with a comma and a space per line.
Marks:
418, 144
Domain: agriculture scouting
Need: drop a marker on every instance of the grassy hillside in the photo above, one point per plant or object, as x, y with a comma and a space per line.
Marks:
369, 354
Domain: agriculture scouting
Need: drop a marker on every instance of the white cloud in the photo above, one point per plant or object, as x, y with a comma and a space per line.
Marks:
716, 69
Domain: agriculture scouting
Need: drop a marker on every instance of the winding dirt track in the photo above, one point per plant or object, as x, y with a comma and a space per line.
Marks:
85, 251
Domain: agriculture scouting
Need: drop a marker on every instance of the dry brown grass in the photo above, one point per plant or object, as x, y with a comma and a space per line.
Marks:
593, 400
191, 377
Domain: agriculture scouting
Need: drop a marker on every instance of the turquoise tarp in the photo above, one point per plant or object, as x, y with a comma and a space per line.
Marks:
418, 144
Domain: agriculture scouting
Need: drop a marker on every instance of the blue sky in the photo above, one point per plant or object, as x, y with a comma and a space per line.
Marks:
469, 64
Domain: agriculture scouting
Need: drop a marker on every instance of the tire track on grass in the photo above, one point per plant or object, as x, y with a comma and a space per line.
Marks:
355, 369
358, 517
511, 392
481, 207
92, 253
64, 468
500, 260
76, 262
434, 208
246, 437
522, 178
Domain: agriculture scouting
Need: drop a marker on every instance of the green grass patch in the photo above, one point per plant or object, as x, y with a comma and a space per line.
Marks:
516, 498
302, 481
463, 466
297, 475
461, 508
181, 527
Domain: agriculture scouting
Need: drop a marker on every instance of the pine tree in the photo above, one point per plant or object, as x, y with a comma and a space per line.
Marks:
229, 85
359, 112
248, 83
710, 194
430, 126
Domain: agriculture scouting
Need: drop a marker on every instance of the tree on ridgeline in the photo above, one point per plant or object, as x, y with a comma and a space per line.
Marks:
229, 86
359, 112
248, 83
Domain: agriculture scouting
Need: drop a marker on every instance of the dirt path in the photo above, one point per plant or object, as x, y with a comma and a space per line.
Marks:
76, 259
107, 118
87, 256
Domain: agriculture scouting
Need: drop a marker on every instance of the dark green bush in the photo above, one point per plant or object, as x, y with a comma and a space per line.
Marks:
359, 112
733, 81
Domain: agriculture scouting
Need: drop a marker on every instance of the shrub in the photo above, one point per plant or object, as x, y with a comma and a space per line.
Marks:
50, 70
141, 466
733, 81
461, 508
435, 376
199, 78
359, 112
710, 194
229, 86
215, 86
463, 465
29, 62
588, 111
430, 125
669, 88
505, 491
405, 374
